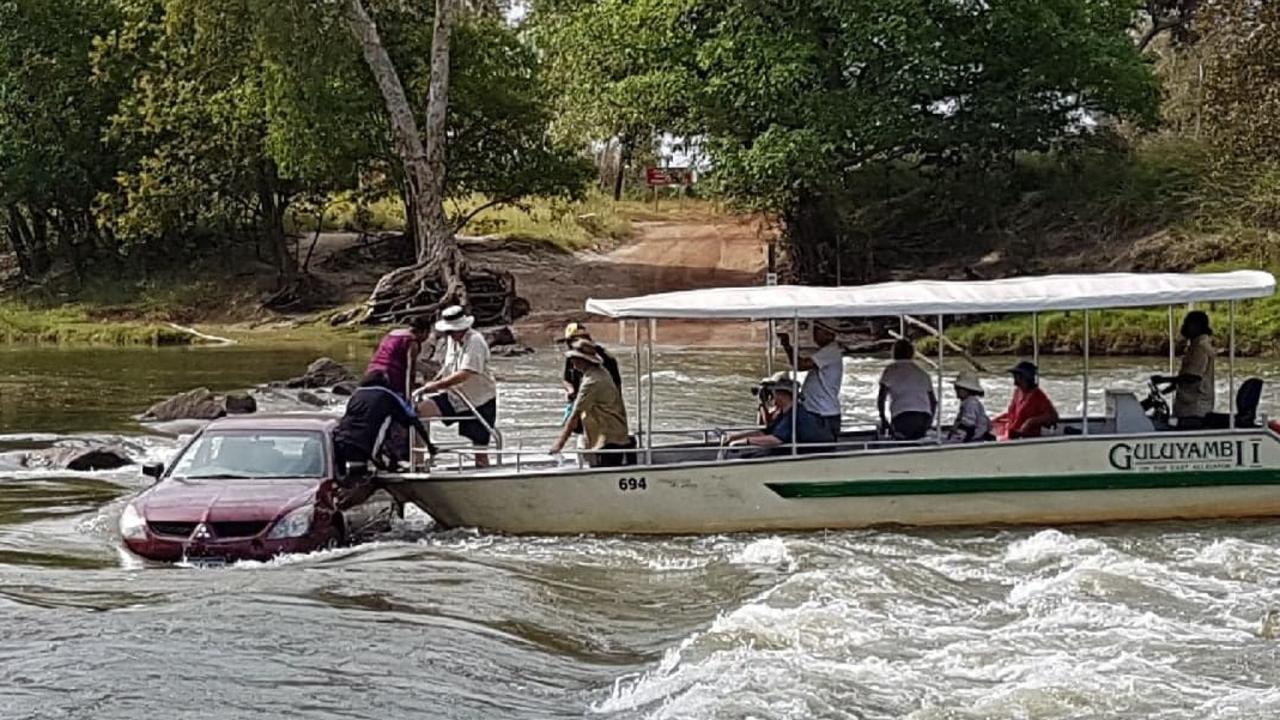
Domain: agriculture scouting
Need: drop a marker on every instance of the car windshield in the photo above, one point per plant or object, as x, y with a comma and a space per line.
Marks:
243, 455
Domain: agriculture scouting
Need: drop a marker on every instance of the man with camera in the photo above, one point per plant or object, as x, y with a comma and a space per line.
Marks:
825, 367
780, 392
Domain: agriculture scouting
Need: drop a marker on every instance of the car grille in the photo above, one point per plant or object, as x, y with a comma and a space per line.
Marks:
237, 529
174, 529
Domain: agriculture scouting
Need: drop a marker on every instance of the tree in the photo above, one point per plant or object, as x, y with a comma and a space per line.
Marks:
53, 112
1242, 108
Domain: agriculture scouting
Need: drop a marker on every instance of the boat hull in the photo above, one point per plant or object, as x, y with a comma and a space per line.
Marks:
1164, 476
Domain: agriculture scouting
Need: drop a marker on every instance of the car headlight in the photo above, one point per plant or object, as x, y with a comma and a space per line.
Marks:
132, 526
295, 524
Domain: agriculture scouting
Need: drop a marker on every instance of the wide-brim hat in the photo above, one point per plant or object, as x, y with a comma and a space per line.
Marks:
575, 330
585, 350
1026, 369
970, 381
780, 380
454, 319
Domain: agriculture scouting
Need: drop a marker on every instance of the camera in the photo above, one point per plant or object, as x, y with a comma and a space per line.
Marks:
763, 391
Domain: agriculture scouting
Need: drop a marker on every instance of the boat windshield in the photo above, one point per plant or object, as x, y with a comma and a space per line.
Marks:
248, 455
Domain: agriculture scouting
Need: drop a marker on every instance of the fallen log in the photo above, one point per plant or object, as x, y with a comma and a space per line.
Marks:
917, 322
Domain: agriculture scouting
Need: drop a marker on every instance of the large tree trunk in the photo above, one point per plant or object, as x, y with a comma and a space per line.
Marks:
624, 157
440, 277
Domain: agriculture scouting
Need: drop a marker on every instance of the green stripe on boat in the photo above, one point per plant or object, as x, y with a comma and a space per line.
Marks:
1035, 483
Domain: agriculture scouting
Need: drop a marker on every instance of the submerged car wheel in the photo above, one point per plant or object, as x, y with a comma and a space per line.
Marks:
337, 535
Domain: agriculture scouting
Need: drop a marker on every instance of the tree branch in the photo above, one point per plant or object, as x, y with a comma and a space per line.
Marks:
466, 219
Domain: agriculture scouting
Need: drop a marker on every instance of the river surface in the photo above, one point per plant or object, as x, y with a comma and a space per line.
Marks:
1154, 620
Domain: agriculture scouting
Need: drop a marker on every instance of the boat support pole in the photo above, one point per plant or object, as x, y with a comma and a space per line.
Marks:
1085, 423
1231, 365
769, 357
1035, 338
795, 380
639, 388
1172, 340
648, 438
937, 413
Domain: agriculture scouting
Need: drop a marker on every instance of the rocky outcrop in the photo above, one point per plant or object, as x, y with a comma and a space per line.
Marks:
499, 336
75, 457
515, 350
323, 373
200, 404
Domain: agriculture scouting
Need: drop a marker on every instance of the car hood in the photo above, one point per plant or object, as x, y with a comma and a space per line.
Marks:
176, 500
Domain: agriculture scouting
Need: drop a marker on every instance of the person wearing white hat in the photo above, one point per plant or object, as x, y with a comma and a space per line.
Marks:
598, 410
464, 374
972, 423
820, 393
809, 429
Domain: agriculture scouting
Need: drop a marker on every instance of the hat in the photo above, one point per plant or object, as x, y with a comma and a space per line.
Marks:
585, 350
574, 330
780, 380
828, 325
968, 380
1026, 369
454, 319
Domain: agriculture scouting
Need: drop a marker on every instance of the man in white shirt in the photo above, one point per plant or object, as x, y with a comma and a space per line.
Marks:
820, 393
465, 374
908, 391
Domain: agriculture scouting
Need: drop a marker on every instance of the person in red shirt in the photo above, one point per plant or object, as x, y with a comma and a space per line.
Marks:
1030, 411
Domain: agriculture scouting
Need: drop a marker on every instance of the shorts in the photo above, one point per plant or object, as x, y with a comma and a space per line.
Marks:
911, 425
469, 427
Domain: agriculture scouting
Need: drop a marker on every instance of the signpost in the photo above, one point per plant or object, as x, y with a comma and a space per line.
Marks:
656, 177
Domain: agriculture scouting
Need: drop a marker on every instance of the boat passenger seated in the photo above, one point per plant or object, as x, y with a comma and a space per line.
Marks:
598, 410
1193, 385
907, 390
776, 437
972, 423
1030, 411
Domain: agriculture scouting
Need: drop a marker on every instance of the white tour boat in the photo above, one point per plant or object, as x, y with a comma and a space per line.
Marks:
1113, 465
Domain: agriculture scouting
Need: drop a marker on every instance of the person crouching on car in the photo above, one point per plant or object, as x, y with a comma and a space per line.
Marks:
465, 391
598, 410
373, 408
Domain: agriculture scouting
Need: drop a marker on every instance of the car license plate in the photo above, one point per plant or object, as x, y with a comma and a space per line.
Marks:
206, 561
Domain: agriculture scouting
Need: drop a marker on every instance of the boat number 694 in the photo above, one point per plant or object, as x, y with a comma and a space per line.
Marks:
628, 484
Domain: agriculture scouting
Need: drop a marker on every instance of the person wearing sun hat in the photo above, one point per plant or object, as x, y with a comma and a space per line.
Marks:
775, 438
972, 423
573, 332
1030, 410
464, 374
598, 410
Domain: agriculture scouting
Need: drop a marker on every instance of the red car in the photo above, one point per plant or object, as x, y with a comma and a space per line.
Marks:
249, 488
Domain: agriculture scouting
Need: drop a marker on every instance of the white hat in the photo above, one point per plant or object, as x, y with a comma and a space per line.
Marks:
780, 380
585, 350
968, 380
454, 319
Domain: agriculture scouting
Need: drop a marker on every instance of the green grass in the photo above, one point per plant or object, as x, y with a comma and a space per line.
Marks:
71, 325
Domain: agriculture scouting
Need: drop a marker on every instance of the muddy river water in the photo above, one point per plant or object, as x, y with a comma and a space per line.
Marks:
1156, 620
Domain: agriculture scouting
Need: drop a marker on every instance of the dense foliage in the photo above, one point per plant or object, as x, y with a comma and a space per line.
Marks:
152, 132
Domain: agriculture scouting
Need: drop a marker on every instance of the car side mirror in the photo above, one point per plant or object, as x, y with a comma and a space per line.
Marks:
153, 470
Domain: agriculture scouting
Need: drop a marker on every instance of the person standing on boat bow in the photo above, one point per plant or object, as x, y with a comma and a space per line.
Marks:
397, 358
1194, 384
465, 391
820, 393
572, 378
1030, 410
598, 411
907, 390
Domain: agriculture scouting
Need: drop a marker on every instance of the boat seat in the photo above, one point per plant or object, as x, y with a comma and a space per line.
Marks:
1247, 399
1127, 414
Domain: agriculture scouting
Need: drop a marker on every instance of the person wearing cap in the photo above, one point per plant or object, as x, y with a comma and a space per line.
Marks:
825, 367
1030, 410
972, 423
598, 410
464, 374
574, 332
809, 429
396, 357
1194, 384
907, 391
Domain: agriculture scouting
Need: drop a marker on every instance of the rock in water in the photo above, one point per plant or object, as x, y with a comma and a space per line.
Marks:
311, 399
240, 404
510, 350
345, 389
198, 404
324, 372
76, 458
499, 336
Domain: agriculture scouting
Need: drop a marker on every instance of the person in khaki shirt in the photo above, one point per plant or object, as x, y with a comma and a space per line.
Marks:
1193, 385
598, 410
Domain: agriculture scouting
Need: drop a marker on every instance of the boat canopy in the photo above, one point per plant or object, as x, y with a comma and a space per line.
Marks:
944, 297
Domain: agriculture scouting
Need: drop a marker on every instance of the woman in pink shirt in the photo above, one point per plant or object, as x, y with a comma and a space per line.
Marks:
398, 353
